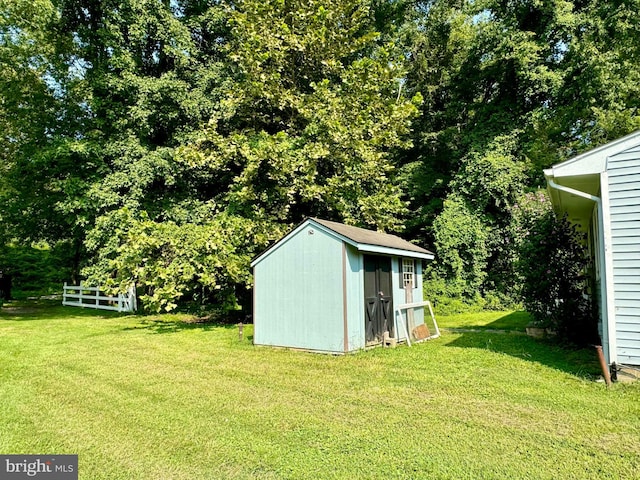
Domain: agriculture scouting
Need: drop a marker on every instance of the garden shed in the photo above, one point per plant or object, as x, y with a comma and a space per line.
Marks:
331, 287
600, 192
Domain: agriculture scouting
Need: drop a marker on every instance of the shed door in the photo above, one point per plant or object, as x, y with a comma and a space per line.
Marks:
377, 298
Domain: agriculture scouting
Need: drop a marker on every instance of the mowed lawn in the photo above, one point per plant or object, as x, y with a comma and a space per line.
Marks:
157, 398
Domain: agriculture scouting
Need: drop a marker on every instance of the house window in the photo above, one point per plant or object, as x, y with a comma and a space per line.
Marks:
408, 273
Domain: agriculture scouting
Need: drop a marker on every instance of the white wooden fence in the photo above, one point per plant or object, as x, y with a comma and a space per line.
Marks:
92, 297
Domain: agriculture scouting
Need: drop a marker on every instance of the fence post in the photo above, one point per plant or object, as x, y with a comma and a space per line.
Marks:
131, 298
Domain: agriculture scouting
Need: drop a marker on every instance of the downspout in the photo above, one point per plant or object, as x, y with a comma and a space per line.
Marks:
601, 253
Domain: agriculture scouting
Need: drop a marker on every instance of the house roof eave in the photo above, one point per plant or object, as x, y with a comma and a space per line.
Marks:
594, 161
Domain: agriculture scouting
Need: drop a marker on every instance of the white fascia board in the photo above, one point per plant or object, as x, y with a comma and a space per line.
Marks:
590, 163
393, 251
548, 173
279, 243
552, 192
594, 161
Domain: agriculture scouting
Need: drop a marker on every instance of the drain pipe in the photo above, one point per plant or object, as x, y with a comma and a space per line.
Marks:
573, 191
601, 254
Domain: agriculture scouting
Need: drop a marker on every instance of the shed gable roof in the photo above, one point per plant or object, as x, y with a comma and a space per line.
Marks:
362, 239
363, 236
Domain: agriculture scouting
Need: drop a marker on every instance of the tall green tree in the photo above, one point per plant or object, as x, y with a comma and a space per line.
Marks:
41, 120
97, 97
599, 98
305, 113
489, 69
312, 115
154, 71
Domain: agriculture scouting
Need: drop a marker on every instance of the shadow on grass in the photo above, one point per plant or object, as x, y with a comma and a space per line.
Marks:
48, 309
516, 321
51, 309
580, 362
486, 320
158, 325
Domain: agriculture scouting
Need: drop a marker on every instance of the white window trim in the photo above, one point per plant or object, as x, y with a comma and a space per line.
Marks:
408, 272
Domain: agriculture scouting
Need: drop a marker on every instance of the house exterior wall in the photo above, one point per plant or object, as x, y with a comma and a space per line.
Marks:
624, 199
299, 297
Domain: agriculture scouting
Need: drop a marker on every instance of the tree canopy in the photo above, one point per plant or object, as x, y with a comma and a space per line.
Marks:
166, 142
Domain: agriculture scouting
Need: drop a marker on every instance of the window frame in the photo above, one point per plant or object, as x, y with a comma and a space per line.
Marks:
408, 272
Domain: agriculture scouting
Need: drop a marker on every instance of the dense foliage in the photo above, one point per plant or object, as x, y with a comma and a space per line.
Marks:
554, 269
167, 142
35, 269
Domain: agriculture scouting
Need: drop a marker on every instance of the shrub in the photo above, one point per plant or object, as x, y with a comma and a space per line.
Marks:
553, 265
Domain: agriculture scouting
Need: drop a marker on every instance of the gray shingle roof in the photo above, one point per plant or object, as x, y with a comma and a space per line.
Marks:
364, 240
371, 237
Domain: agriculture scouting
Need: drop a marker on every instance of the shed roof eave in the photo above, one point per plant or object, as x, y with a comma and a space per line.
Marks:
365, 248
361, 238
331, 228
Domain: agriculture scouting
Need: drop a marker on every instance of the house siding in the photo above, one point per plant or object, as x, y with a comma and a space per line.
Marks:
624, 196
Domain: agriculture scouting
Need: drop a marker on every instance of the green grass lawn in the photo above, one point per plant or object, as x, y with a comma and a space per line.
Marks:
157, 398
490, 320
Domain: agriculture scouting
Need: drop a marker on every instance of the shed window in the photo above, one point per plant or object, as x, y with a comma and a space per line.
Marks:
408, 272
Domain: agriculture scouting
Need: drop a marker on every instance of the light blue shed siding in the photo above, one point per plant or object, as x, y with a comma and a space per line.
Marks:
299, 293
355, 296
624, 196
399, 295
